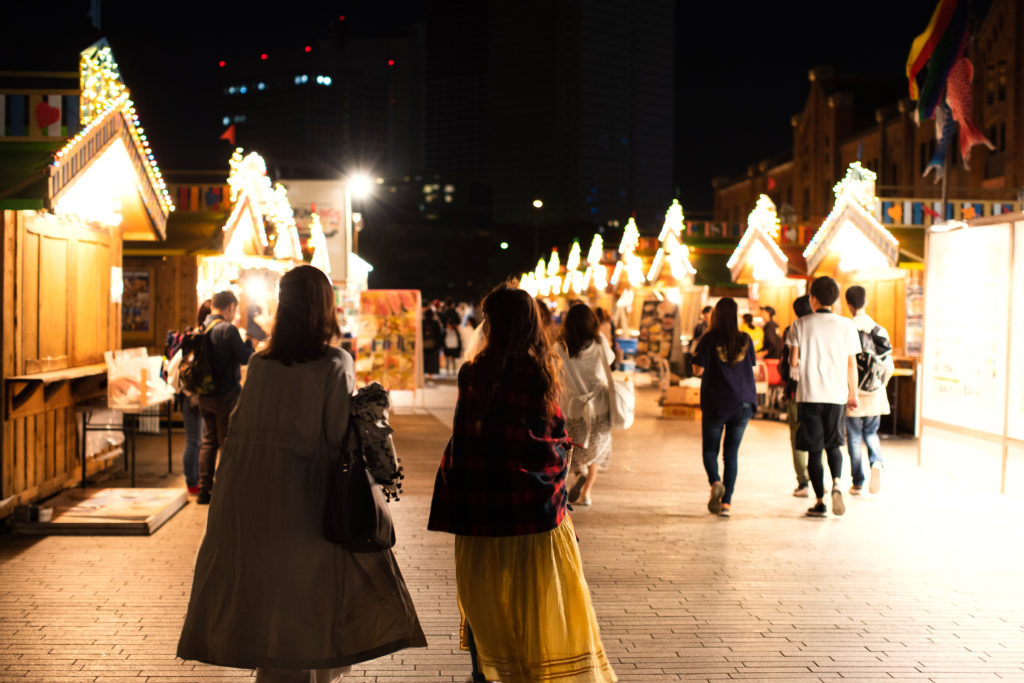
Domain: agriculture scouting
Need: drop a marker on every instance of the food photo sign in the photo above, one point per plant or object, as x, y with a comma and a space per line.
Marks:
389, 341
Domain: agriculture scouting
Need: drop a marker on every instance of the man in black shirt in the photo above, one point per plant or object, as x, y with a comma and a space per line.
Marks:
227, 353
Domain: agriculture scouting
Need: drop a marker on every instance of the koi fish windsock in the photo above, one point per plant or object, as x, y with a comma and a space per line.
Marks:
958, 97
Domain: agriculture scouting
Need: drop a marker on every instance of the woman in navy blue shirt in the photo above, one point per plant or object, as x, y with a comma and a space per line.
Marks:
724, 360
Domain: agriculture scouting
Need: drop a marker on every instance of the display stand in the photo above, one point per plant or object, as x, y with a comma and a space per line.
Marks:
129, 427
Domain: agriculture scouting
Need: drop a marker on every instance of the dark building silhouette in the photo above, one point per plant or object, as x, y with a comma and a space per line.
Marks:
568, 102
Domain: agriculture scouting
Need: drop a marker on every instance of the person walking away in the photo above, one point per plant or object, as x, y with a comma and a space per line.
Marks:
772, 340
500, 489
431, 343
191, 417
607, 330
703, 326
586, 358
270, 592
452, 346
227, 354
801, 307
725, 362
862, 421
754, 332
823, 352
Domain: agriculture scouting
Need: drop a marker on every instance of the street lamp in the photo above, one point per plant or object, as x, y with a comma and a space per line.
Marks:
358, 185
537, 204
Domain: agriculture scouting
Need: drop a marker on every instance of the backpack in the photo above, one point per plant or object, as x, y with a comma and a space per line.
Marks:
195, 374
870, 364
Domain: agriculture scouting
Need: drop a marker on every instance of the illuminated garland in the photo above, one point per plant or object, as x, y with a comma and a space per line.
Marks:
857, 190
763, 218
127, 109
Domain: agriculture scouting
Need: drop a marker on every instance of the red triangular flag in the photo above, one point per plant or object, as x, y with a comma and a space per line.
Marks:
229, 134
771, 183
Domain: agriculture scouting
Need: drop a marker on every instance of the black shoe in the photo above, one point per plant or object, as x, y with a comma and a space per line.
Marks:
818, 510
574, 492
204, 498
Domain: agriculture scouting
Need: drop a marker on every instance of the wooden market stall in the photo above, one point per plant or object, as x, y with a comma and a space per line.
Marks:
855, 249
76, 180
759, 263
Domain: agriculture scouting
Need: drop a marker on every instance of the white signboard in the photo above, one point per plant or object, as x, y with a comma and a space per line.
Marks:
1015, 400
965, 327
327, 199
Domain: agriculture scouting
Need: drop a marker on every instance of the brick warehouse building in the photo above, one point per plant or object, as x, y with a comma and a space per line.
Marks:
849, 118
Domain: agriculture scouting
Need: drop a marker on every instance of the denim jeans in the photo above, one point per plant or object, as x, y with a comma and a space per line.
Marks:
711, 441
193, 420
863, 429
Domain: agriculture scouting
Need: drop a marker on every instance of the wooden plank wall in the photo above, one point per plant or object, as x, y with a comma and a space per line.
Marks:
173, 298
57, 314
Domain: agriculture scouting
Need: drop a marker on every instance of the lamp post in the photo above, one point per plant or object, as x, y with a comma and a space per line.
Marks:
537, 205
357, 186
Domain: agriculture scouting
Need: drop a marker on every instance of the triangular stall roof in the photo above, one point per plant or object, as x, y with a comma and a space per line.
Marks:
757, 256
851, 238
107, 171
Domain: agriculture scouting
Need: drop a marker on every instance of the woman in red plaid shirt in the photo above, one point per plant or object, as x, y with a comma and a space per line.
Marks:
501, 490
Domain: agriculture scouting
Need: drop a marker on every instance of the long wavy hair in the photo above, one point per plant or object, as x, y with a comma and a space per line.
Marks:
724, 322
580, 329
514, 331
306, 321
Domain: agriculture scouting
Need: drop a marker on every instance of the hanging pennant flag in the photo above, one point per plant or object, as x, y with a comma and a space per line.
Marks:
948, 49
923, 46
229, 135
945, 129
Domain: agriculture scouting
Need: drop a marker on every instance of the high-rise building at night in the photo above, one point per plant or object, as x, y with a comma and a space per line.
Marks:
568, 102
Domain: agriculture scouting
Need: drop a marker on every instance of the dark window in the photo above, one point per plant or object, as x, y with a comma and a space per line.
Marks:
789, 195
806, 212
1002, 137
894, 174
990, 83
1002, 80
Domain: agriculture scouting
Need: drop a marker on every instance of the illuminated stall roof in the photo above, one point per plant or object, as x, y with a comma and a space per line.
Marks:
258, 202
757, 256
596, 274
672, 252
629, 270
851, 238
107, 171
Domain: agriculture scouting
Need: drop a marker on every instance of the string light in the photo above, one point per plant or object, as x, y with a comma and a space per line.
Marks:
672, 251
758, 244
855, 194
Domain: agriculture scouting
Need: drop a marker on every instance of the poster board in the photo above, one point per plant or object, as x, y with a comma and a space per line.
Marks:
966, 327
136, 303
1015, 397
389, 341
972, 369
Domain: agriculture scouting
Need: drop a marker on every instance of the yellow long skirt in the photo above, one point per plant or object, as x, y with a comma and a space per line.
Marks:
529, 608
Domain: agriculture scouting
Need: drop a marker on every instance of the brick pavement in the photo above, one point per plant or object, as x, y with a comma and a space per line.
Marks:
919, 583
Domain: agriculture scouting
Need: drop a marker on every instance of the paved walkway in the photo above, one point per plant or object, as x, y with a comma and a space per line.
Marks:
922, 582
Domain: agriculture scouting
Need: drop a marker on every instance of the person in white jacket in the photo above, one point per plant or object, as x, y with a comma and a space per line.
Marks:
862, 421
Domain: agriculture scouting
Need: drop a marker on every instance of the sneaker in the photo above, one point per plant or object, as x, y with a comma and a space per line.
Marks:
876, 479
818, 510
801, 491
193, 490
584, 501
724, 512
715, 501
204, 498
838, 507
574, 492
855, 490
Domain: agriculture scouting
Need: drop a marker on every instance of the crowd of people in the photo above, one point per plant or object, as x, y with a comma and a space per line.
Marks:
532, 431
835, 370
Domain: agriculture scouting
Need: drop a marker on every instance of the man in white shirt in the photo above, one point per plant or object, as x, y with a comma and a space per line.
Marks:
862, 422
823, 354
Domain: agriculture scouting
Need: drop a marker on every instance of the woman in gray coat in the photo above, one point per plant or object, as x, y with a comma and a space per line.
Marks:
270, 592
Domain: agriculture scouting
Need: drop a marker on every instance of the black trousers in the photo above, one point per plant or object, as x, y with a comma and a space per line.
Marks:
216, 411
822, 426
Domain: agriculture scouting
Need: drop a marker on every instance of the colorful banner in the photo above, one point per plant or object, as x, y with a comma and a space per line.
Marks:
389, 339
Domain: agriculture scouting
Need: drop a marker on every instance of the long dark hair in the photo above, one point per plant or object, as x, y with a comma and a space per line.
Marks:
514, 331
723, 321
580, 328
306, 321
204, 312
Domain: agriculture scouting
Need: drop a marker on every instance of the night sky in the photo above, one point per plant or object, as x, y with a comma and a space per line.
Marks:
741, 67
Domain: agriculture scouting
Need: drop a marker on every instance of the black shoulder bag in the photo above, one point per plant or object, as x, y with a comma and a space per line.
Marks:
357, 516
